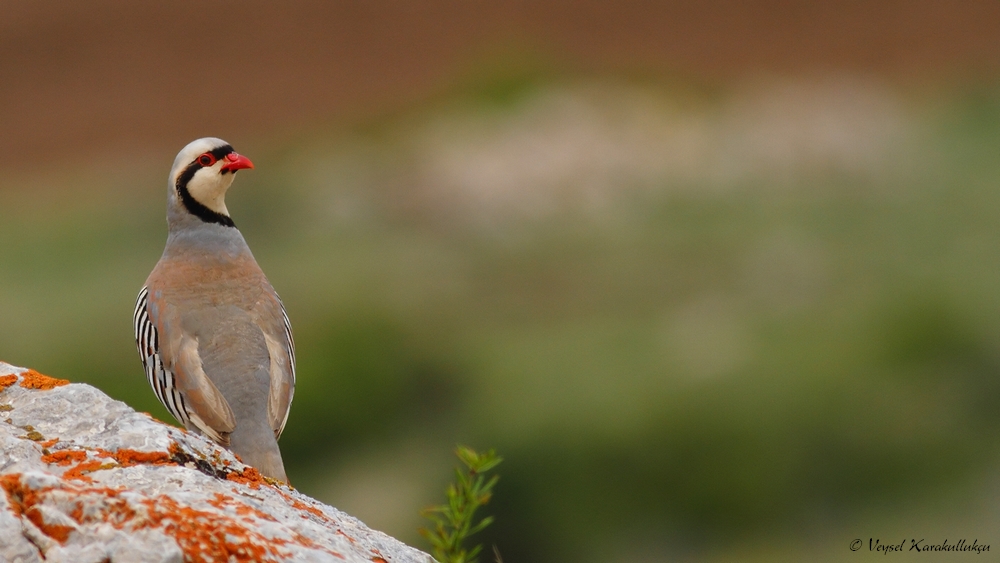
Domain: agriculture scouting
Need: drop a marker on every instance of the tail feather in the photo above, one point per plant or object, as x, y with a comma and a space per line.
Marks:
259, 448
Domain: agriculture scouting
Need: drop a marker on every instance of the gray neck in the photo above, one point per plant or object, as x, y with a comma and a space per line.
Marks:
187, 233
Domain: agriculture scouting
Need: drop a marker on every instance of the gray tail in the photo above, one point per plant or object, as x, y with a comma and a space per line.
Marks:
259, 448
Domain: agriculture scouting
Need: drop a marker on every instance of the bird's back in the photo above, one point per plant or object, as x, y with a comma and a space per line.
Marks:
223, 300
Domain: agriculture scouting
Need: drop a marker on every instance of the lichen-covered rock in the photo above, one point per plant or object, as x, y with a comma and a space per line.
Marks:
87, 479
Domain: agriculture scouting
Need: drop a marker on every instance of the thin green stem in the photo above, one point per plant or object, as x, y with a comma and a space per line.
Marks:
453, 522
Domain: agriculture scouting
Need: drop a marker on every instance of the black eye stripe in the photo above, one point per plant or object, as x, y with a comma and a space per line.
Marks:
221, 152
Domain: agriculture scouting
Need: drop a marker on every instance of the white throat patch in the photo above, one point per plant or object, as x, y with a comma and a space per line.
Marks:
208, 187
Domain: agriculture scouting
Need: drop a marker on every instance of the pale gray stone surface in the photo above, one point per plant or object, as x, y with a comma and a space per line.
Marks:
87, 479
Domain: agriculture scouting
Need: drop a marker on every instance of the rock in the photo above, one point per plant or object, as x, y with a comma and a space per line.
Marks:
86, 479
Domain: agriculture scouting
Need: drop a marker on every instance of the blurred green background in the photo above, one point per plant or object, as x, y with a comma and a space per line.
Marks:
720, 282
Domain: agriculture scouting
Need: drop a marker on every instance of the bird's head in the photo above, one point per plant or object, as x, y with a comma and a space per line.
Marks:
202, 173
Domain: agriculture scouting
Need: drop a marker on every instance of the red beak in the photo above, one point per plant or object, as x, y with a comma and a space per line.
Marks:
236, 161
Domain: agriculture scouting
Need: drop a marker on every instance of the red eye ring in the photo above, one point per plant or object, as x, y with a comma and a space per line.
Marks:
206, 159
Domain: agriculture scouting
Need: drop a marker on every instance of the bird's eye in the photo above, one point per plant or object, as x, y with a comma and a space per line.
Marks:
206, 159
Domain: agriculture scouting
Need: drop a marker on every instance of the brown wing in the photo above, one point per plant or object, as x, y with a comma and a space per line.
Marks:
270, 316
174, 370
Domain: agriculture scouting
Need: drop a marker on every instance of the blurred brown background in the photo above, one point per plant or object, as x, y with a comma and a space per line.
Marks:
718, 279
85, 77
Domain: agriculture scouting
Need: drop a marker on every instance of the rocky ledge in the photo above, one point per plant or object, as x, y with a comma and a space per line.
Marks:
86, 479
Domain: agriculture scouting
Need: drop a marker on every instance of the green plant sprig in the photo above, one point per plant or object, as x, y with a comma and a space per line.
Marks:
453, 522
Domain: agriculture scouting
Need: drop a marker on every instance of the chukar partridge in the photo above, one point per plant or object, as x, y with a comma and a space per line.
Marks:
211, 331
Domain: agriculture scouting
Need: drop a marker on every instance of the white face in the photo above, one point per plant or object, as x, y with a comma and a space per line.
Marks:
208, 185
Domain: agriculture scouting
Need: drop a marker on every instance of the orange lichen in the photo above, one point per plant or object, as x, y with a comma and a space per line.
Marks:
17, 495
304, 541
77, 471
64, 457
132, 457
299, 505
174, 448
249, 476
7, 380
49, 443
128, 458
24, 500
220, 500
31, 379
205, 537
243, 510
57, 532
114, 510
378, 559
123, 458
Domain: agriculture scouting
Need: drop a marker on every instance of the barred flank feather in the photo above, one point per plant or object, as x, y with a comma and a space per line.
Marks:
290, 348
159, 378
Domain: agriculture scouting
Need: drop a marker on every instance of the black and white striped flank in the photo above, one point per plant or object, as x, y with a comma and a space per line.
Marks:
159, 378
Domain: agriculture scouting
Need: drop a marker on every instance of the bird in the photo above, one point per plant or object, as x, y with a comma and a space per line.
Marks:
213, 335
